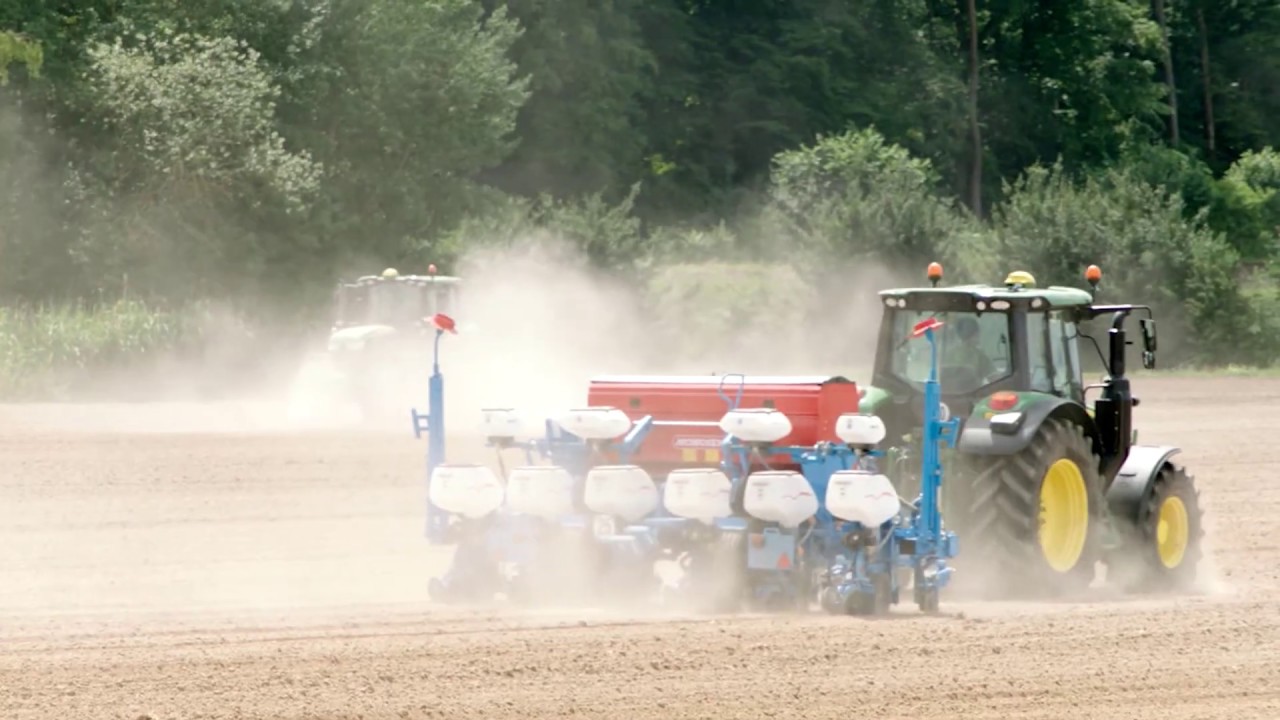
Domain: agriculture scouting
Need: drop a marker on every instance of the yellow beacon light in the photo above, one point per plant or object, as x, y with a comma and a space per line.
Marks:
1020, 278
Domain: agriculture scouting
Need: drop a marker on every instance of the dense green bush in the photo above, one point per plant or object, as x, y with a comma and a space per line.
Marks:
605, 236
1247, 205
856, 195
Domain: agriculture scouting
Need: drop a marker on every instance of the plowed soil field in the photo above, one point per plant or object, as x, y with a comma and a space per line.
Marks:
193, 566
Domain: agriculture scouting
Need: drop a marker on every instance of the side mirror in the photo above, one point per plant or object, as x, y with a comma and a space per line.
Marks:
1148, 343
1148, 334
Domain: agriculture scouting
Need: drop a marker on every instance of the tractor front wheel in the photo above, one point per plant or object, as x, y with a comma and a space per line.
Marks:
1162, 549
1030, 525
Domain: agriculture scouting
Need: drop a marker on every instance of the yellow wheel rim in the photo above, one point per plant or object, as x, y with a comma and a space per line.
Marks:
1172, 532
1064, 515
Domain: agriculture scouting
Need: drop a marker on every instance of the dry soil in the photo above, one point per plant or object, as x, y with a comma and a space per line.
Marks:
160, 566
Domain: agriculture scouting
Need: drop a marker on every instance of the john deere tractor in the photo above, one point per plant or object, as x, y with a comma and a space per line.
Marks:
1044, 482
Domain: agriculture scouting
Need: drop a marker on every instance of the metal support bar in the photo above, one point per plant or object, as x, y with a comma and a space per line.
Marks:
936, 431
437, 519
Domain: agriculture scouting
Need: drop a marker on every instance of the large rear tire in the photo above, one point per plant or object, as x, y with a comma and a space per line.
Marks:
1030, 524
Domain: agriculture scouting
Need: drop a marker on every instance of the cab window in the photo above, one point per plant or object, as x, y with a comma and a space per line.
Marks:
973, 349
395, 303
443, 299
1064, 336
352, 304
1039, 365
1054, 360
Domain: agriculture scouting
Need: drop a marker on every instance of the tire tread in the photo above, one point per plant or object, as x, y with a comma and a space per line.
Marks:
1003, 516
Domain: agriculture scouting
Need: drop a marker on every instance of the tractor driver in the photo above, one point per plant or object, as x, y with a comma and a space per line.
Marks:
967, 353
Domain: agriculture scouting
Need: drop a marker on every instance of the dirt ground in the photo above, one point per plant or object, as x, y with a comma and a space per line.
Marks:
195, 567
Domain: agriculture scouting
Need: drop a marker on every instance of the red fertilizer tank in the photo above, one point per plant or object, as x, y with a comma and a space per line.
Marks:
687, 410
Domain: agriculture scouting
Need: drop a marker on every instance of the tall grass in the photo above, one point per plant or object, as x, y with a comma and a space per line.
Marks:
48, 351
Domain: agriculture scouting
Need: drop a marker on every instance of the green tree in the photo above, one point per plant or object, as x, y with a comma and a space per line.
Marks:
1247, 205
751, 78
196, 118
1227, 56
403, 104
199, 112
1057, 224
855, 195
590, 75
1059, 79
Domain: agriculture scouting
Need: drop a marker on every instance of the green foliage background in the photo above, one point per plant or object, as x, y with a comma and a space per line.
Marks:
727, 155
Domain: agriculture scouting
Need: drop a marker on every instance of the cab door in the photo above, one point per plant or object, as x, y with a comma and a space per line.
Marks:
1053, 355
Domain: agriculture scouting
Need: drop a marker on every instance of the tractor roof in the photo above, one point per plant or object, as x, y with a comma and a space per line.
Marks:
419, 280
1057, 296
1018, 289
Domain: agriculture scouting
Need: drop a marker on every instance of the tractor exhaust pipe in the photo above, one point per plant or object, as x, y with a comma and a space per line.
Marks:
1118, 344
1114, 410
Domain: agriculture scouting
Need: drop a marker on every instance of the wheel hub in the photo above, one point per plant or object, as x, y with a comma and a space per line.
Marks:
1064, 515
1172, 532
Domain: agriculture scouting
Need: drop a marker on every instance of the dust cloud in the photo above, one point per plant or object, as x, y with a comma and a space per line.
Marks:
536, 322
535, 325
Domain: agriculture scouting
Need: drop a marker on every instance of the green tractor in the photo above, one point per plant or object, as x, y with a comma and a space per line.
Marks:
376, 361
388, 305
1043, 484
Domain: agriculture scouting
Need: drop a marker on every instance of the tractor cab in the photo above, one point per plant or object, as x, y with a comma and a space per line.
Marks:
393, 300
1011, 337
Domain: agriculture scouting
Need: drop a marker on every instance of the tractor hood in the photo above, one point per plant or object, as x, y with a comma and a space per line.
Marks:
354, 338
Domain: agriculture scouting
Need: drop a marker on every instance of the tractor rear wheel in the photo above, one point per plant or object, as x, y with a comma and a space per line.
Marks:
1031, 521
1162, 549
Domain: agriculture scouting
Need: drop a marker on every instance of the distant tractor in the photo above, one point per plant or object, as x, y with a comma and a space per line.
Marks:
375, 350
375, 306
1042, 483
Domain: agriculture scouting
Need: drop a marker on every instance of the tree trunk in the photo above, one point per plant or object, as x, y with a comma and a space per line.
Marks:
975, 130
1206, 81
1168, 73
